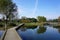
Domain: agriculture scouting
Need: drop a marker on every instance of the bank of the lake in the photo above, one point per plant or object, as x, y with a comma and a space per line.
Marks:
31, 25
41, 24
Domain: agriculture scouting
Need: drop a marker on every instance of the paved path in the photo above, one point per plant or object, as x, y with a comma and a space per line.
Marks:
12, 35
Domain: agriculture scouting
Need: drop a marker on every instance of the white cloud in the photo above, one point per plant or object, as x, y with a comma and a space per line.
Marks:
35, 8
20, 10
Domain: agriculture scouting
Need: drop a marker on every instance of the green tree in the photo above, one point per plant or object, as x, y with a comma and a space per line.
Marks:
41, 19
23, 17
9, 9
59, 19
32, 19
27, 20
55, 20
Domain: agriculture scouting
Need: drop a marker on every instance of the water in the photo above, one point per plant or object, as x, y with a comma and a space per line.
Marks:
1, 33
40, 33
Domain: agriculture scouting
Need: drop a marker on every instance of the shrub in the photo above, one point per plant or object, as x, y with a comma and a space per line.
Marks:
12, 24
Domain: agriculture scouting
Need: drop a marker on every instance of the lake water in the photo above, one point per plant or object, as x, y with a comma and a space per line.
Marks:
40, 33
1, 33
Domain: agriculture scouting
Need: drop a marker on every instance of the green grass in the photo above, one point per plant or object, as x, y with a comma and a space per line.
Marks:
28, 25
33, 24
57, 26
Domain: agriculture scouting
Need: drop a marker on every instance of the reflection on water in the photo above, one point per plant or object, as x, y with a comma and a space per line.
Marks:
57, 27
41, 30
40, 33
59, 30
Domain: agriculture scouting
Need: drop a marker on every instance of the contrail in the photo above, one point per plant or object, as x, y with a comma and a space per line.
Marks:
36, 4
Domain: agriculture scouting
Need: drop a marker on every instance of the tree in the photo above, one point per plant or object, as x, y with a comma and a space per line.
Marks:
32, 19
55, 20
8, 8
41, 19
59, 19
23, 17
27, 20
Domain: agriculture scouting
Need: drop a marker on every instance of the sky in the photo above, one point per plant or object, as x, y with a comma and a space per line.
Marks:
33, 8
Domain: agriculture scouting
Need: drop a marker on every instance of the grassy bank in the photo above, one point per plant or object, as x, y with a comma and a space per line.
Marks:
40, 24
33, 24
57, 26
29, 25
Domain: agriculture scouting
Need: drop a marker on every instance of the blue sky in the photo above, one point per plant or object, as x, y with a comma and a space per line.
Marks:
33, 8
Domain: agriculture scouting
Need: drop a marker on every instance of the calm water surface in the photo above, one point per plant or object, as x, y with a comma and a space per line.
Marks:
40, 33
1, 33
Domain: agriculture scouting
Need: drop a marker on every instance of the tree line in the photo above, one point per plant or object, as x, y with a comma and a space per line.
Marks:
37, 19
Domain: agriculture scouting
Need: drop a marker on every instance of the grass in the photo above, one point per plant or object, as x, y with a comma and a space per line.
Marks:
57, 26
30, 25
2, 28
33, 24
